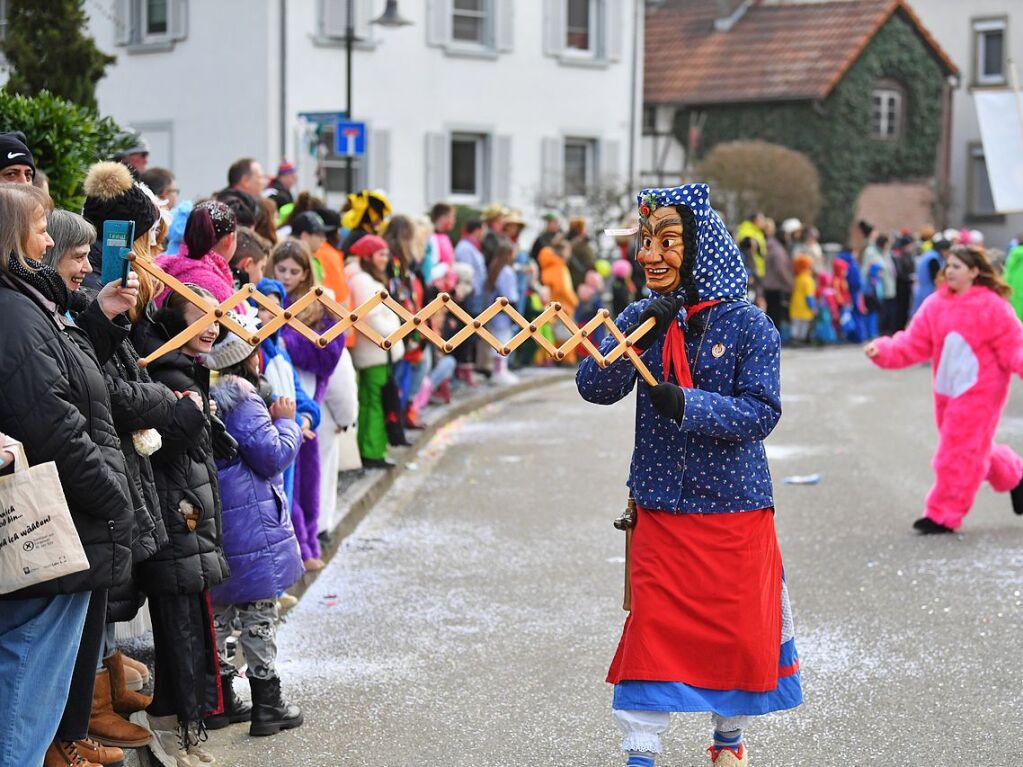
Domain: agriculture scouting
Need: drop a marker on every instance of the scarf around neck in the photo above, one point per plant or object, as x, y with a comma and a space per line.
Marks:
41, 278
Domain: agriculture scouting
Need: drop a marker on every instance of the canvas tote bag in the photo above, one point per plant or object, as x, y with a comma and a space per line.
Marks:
38, 539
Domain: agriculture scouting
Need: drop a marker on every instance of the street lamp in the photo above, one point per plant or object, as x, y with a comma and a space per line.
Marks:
389, 18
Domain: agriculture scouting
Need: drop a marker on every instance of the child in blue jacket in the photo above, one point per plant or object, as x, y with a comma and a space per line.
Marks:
259, 540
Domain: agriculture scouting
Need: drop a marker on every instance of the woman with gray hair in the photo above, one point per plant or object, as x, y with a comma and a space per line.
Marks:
138, 407
72, 237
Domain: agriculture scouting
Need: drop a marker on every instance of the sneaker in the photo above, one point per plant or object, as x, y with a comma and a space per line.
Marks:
927, 526
313, 564
728, 756
200, 756
504, 378
378, 463
166, 745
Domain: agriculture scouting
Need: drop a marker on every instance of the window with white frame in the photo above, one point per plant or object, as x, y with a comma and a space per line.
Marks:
981, 202
585, 33
989, 51
887, 112
151, 25
468, 170
470, 21
155, 19
580, 26
580, 157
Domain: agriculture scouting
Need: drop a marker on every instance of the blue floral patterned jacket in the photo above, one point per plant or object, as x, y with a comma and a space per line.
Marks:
714, 460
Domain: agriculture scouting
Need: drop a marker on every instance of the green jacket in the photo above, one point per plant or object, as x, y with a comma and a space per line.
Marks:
1014, 276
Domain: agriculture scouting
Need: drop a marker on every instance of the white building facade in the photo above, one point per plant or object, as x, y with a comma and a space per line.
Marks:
475, 100
981, 36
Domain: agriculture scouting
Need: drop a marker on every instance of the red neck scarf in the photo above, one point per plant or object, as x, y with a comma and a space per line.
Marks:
673, 355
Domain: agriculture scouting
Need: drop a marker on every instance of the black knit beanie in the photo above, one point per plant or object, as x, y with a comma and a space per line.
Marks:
14, 150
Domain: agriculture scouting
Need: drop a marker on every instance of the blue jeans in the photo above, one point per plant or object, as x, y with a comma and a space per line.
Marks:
442, 371
38, 645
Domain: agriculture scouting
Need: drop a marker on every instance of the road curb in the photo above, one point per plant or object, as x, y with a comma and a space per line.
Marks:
361, 505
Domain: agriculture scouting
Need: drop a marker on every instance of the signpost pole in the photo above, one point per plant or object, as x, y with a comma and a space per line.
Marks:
349, 38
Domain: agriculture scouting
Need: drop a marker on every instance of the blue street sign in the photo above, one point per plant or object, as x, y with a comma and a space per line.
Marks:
323, 118
350, 139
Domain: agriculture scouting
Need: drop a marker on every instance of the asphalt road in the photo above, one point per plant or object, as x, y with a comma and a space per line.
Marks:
471, 617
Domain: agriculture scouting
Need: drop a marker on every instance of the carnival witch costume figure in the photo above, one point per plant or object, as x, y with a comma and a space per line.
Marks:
710, 627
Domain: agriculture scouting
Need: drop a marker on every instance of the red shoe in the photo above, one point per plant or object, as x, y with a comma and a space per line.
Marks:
728, 756
412, 419
443, 393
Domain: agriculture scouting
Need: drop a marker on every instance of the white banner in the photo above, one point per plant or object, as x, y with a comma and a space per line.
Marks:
1001, 130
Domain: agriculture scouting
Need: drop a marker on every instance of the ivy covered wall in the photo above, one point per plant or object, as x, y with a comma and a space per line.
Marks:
836, 133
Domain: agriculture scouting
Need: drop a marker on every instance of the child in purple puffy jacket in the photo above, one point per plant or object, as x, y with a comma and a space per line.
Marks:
259, 540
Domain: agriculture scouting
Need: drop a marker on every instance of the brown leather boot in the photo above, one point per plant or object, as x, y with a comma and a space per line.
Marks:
107, 727
65, 754
94, 752
125, 701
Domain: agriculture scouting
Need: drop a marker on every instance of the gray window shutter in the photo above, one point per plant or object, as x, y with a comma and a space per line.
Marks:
504, 16
380, 160
363, 17
438, 168
552, 173
178, 19
609, 167
502, 169
614, 28
333, 18
122, 22
438, 22
554, 22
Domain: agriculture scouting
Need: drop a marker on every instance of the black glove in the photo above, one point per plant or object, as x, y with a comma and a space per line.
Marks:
669, 400
664, 309
225, 447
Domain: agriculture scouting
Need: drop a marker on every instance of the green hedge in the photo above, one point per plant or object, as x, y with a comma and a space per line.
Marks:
836, 133
65, 140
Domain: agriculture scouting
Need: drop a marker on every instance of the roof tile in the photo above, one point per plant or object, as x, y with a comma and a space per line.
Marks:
786, 51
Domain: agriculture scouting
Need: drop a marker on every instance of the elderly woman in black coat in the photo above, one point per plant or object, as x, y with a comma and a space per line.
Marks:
55, 402
143, 412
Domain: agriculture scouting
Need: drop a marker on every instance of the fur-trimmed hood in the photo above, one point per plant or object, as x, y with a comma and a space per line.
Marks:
229, 392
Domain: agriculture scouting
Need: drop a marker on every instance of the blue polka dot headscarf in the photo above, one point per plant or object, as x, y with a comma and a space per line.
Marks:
719, 271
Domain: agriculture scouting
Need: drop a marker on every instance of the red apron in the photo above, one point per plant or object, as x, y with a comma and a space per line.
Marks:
706, 601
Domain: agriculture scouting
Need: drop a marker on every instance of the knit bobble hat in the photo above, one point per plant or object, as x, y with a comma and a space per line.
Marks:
232, 349
112, 194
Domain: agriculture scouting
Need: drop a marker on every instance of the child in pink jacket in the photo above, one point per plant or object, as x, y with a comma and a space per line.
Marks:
967, 328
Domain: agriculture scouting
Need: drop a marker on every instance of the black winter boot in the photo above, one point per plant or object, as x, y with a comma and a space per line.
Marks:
1017, 498
927, 526
235, 709
270, 712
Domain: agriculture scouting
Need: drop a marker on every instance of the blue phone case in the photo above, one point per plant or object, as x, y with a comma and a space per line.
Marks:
117, 239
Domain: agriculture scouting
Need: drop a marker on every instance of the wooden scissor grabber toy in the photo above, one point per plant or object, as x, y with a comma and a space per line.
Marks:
709, 625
